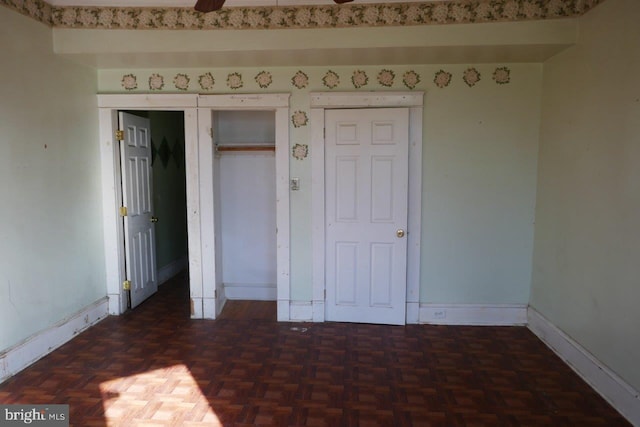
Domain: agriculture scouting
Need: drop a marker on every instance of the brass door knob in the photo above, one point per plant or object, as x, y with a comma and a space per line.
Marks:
154, 219
400, 233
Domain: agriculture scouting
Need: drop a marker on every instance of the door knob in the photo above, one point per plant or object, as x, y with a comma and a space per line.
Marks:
400, 233
154, 219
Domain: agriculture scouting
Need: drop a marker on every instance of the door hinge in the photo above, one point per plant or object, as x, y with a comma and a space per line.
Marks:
123, 211
126, 285
215, 294
325, 294
120, 135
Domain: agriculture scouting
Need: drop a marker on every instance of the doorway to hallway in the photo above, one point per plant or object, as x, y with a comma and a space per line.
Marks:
154, 208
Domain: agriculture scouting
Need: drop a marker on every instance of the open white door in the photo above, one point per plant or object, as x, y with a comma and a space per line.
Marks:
137, 195
366, 160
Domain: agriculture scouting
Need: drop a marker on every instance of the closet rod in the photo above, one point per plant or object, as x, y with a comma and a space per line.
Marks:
246, 148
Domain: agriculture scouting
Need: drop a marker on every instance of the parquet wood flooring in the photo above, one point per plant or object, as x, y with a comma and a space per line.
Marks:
155, 367
249, 310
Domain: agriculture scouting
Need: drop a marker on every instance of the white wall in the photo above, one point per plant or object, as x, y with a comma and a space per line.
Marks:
246, 204
587, 239
248, 218
245, 127
51, 249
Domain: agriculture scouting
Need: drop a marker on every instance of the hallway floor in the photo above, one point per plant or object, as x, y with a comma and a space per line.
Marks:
155, 367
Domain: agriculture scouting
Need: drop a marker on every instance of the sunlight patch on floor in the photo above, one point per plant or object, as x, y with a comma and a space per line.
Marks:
167, 396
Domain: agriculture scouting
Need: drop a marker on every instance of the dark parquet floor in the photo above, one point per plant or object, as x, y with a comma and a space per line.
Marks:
155, 367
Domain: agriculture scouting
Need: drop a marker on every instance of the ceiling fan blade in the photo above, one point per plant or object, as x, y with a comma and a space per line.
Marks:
208, 5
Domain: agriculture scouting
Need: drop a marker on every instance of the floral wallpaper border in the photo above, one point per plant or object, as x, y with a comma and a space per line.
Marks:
385, 77
300, 151
320, 16
471, 76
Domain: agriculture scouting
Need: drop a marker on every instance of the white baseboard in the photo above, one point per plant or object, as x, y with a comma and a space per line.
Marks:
454, 314
318, 310
221, 300
261, 292
197, 310
413, 313
168, 271
473, 314
116, 301
611, 387
284, 310
20, 356
301, 311
209, 308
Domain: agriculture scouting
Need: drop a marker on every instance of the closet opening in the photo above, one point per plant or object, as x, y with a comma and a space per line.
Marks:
245, 211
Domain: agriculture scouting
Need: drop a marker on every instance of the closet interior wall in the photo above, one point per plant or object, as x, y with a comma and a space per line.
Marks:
245, 203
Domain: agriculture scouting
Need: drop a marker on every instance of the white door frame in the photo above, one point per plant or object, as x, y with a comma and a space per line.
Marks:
199, 182
321, 101
212, 301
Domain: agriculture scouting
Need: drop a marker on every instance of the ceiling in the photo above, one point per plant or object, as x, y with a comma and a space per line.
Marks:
533, 41
112, 47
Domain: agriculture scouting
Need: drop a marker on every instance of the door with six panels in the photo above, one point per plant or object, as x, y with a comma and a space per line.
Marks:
137, 197
366, 195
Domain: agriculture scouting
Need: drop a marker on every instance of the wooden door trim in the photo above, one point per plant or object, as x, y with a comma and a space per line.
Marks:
200, 237
108, 107
213, 301
328, 100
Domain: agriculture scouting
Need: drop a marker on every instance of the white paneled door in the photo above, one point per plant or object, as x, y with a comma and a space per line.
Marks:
137, 195
366, 161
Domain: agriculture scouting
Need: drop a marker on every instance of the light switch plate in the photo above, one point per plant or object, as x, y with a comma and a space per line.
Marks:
295, 184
